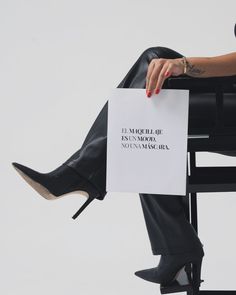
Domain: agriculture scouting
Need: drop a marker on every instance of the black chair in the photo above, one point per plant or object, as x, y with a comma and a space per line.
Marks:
213, 129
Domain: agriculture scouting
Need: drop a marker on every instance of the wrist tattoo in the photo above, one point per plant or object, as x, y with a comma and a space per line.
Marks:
192, 70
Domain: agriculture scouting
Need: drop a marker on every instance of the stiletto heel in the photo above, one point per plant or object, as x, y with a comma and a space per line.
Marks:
183, 281
180, 283
196, 271
88, 201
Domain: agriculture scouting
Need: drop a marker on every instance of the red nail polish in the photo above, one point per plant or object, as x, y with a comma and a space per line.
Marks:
149, 93
167, 74
157, 90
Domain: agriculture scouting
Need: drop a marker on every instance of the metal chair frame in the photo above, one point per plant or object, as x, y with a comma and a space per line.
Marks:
220, 138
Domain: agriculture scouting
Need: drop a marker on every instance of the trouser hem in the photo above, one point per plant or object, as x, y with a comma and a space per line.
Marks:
181, 250
101, 193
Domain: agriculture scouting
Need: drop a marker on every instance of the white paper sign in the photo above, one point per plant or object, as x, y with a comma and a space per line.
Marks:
147, 141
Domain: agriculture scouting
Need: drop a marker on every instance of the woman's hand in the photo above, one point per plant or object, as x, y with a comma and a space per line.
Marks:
161, 68
158, 70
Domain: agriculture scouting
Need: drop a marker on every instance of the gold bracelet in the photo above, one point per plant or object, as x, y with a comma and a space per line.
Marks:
185, 63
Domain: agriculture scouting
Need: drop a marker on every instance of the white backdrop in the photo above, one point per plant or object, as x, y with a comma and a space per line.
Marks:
59, 60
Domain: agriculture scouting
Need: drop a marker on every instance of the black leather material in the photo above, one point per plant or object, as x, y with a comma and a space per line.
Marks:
203, 104
168, 228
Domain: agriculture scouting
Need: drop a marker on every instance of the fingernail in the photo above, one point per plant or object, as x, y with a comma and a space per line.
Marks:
148, 92
167, 74
157, 90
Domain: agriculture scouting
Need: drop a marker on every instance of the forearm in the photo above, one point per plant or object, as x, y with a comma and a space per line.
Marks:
203, 67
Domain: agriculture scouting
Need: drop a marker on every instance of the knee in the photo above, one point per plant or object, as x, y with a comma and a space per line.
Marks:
155, 51
160, 52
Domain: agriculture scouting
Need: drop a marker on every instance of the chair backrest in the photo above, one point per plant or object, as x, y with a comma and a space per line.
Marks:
212, 111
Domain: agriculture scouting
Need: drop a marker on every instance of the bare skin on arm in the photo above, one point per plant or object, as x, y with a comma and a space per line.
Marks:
202, 67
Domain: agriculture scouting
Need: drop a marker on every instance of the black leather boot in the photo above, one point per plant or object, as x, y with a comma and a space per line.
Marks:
58, 183
171, 272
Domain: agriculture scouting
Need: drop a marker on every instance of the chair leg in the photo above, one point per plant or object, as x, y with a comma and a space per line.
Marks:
194, 220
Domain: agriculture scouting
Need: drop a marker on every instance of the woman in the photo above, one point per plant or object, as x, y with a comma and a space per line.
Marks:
171, 235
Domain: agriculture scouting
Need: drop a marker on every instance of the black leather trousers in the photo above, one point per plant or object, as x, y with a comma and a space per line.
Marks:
168, 229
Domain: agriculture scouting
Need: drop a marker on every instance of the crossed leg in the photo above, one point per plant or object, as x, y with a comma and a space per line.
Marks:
168, 228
